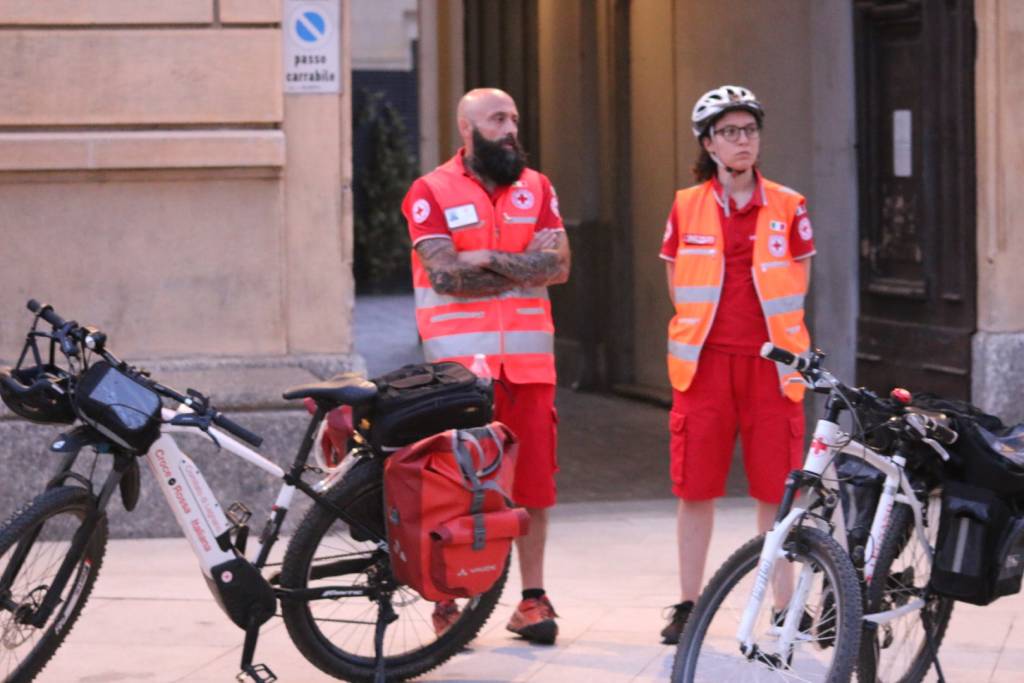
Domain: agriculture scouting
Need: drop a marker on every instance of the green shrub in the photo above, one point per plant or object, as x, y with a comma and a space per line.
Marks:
381, 237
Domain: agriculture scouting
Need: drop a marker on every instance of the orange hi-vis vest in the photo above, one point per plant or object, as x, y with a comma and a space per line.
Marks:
780, 282
514, 329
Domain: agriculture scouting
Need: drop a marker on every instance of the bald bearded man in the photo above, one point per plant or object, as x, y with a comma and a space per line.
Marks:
487, 241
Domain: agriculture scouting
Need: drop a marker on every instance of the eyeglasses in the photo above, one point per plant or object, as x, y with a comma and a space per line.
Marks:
732, 133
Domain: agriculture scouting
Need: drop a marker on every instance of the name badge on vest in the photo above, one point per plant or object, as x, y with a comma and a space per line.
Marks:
692, 238
461, 216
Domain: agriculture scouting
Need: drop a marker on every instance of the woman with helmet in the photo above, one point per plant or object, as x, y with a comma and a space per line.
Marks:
737, 250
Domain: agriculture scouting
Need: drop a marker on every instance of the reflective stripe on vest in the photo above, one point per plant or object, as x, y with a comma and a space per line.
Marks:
697, 282
697, 295
488, 343
684, 352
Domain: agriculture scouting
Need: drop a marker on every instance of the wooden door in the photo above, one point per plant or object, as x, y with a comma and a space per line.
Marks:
915, 98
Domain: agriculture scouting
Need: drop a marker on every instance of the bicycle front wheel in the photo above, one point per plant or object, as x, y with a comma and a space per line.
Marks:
825, 646
898, 650
337, 634
33, 544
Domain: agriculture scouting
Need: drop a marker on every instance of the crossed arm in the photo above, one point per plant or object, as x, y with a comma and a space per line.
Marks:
486, 272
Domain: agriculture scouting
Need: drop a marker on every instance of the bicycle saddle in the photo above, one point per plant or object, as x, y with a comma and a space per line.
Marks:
344, 389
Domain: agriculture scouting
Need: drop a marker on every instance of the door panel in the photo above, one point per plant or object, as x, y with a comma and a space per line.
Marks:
915, 91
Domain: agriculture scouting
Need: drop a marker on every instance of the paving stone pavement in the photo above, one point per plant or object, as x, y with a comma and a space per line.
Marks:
611, 571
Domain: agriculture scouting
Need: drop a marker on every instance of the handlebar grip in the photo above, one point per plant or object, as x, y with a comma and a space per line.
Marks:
46, 312
780, 355
232, 427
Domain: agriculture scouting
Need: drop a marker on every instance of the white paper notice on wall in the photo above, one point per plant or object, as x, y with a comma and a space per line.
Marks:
312, 46
902, 145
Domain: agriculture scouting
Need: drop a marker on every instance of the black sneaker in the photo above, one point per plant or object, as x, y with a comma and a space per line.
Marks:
779, 618
680, 613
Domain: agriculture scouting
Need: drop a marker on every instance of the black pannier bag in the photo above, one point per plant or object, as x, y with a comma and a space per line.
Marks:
416, 401
979, 553
860, 486
119, 406
987, 453
991, 459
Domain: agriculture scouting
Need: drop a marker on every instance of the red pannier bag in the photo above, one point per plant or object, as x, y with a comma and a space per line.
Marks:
450, 522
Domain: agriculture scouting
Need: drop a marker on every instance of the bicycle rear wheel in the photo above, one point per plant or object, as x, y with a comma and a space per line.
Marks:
336, 634
33, 544
827, 651
898, 651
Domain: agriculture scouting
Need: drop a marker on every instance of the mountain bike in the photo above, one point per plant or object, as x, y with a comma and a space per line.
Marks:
335, 588
816, 634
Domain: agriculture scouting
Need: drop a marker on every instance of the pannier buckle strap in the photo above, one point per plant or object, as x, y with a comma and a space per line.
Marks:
479, 532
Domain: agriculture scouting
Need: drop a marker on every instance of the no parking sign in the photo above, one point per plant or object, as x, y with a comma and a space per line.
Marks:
311, 46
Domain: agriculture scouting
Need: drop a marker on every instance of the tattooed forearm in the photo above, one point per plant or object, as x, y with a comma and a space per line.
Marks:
451, 277
536, 267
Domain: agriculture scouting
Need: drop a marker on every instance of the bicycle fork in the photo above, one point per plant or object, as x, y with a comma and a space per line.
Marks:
38, 617
771, 551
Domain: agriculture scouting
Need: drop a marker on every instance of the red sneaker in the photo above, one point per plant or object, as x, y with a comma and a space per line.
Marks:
534, 620
446, 613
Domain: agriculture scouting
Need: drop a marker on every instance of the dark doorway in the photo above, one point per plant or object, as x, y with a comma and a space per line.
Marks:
916, 158
501, 52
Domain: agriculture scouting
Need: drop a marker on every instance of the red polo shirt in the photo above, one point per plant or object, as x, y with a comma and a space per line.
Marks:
739, 326
426, 219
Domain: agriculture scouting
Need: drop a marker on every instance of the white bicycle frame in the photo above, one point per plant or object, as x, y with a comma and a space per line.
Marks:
829, 441
195, 507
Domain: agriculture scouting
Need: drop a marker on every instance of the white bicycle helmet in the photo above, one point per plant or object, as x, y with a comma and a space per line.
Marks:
714, 103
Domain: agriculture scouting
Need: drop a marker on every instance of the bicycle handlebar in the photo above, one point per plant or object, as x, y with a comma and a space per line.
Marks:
232, 427
926, 426
781, 355
46, 312
96, 340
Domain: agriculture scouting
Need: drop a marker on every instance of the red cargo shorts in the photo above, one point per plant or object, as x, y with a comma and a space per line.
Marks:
729, 393
529, 410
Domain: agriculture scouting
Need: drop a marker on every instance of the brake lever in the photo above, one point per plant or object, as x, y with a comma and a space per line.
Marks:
197, 420
937, 447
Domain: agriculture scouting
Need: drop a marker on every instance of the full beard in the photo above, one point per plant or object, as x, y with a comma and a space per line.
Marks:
493, 161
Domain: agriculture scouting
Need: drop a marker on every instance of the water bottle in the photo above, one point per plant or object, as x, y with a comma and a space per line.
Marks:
482, 370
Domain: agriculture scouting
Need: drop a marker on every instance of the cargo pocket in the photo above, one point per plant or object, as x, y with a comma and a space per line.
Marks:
554, 439
677, 448
796, 442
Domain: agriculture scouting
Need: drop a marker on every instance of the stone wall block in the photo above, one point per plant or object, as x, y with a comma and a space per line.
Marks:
104, 12
140, 77
250, 11
998, 366
98, 150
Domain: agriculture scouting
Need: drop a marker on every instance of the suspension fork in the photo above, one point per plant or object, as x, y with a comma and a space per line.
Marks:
771, 551
78, 545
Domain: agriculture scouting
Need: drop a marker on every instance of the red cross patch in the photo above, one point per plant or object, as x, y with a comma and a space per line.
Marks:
522, 198
777, 245
420, 210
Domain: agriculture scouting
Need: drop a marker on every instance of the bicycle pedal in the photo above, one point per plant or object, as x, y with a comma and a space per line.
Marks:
260, 673
238, 514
